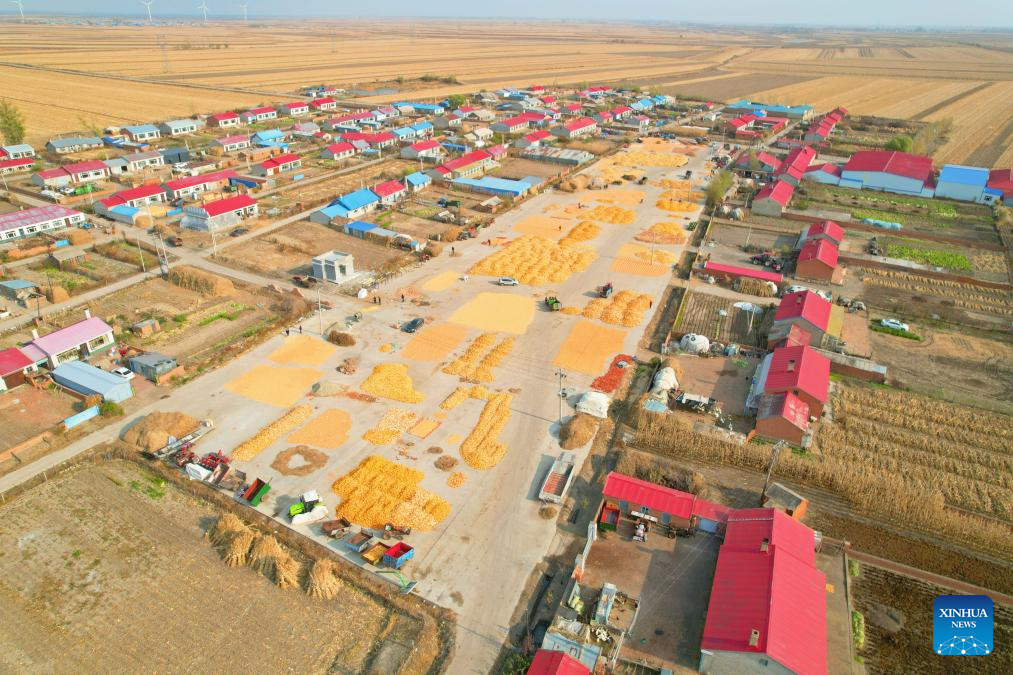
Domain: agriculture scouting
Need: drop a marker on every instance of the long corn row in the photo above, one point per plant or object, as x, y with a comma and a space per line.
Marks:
272, 432
476, 363
482, 449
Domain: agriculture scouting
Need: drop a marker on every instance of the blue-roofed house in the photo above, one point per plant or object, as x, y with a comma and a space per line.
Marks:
420, 108
18, 151
180, 127
65, 146
350, 206
19, 290
965, 183
418, 181
87, 380
423, 129
142, 132
798, 112
404, 134
270, 138
358, 228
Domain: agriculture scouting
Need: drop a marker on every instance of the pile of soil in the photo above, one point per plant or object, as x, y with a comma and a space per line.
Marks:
153, 431
579, 182
578, 431
312, 460
197, 280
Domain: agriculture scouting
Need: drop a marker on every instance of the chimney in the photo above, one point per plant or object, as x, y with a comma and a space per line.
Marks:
35, 334
87, 313
791, 366
754, 638
798, 299
764, 545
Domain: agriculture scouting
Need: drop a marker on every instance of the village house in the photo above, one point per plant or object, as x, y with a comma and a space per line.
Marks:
78, 341
139, 133
535, 139
294, 109
582, 126
467, 165
11, 166
349, 206
258, 115
390, 192
14, 368
29, 222
135, 162
72, 174
334, 266
134, 198
323, 104
18, 151
827, 230
179, 127
224, 120
795, 164
20, 291
339, 150
801, 371
417, 181
448, 121
66, 146
805, 309
277, 165
889, 171
191, 186
782, 417
220, 214
427, 150
817, 260
378, 141
773, 199
231, 143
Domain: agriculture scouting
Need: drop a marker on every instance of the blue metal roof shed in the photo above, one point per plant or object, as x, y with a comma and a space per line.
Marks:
964, 183
356, 200
18, 284
494, 186
358, 228
89, 380
418, 179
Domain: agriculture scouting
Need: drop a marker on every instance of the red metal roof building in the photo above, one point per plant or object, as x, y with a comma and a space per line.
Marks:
889, 171
229, 205
389, 191
464, 166
763, 161
1001, 180
280, 164
548, 662
795, 336
225, 119
768, 600
782, 417
135, 197
191, 185
729, 272
805, 305
13, 364
817, 260
773, 199
795, 164
826, 229
802, 371
632, 497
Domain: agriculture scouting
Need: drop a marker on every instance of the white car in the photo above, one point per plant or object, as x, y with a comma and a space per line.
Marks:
507, 281
894, 324
125, 373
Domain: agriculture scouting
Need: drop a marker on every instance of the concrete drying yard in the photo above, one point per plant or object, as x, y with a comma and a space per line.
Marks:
486, 536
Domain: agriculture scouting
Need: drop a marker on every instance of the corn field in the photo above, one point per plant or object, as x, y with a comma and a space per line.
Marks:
963, 295
896, 456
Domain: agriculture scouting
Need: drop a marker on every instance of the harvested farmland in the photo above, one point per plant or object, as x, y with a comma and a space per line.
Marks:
482, 449
393, 423
379, 491
252, 447
536, 261
624, 308
391, 380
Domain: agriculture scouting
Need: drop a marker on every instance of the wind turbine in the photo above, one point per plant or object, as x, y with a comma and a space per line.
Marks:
148, 4
203, 6
21, 8
244, 6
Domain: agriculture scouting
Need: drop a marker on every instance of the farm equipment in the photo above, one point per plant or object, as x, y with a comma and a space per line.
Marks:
185, 455
396, 531
213, 460
175, 240
308, 509
767, 259
558, 480
696, 402
256, 492
374, 554
874, 247
397, 555
176, 445
406, 586
336, 528
303, 281
553, 303
360, 541
852, 305
605, 291
227, 478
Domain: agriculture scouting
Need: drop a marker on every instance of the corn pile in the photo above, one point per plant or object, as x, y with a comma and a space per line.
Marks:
391, 380
462, 394
570, 310
622, 309
379, 491
616, 215
671, 184
457, 479
393, 423
583, 231
481, 449
468, 361
676, 205
535, 260
483, 373
681, 194
663, 233
643, 158
658, 257
272, 432
386, 348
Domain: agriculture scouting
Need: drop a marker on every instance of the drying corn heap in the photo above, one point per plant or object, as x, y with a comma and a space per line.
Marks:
462, 394
535, 261
615, 215
581, 232
648, 158
482, 449
677, 205
393, 423
480, 358
378, 492
663, 233
657, 257
622, 309
272, 432
391, 380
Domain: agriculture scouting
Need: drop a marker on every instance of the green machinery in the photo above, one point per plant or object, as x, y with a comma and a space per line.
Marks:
553, 303
406, 586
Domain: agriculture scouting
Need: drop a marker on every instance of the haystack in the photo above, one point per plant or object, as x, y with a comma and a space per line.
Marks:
323, 581
227, 525
445, 463
272, 560
57, 294
202, 282
154, 430
237, 549
286, 571
575, 184
578, 431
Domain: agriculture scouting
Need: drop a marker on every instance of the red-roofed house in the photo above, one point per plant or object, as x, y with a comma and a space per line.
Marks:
13, 367
219, 214
295, 108
379, 140
782, 417
730, 272
1002, 180
390, 192
535, 139
795, 336
498, 151
761, 163
794, 166
547, 662
581, 126
621, 112
829, 174
339, 150
276, 165
767, 609
889, 171
231, 143
224, 120
511, 125
190, 186
626, 496
817, 260
575, 109
78, 173
806, 309
9, 166
826, 229
465, 166
802, 371
751, 127
603, 117
773, 199
134, 197
255, 115
430, 149
324, 103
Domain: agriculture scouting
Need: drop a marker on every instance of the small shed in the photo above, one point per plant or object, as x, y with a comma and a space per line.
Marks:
64, 258
88, 380
13, 367
17, 289
631, 497
783, 499
146, 328
334, 266
153, 366
782, 417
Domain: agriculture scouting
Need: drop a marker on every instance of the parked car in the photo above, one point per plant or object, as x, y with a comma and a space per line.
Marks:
507, 281
413, 325
894, 324
238, 232
125, 373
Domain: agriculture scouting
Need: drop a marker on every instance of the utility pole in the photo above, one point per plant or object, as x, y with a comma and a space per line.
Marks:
320, 313
140, 252
774, 453
562, 376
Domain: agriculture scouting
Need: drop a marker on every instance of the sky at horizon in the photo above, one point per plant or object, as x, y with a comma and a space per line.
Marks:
869, 13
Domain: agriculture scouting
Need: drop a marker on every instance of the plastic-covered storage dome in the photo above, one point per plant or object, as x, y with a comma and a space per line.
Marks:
694, 343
